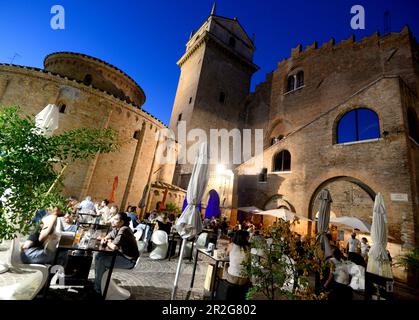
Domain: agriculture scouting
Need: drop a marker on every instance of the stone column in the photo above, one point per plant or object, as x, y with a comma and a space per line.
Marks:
91, 169
133, 166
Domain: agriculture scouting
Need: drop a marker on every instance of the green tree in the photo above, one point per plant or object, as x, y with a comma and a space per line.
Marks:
30, 164
171, 207
281, 270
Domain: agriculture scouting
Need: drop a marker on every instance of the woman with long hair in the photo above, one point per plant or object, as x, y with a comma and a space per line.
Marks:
238, 252
120, 239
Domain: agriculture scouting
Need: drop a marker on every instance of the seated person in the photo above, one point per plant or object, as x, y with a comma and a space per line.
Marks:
68, 223
147, 216
107, 217
238, 252
337, 280
73, 204
34, 250
102, 208
164, 224
120, 239
152, 216
132, 214
87, 205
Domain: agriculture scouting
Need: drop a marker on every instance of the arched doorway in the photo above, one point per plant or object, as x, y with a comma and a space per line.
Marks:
350, 197
213, 205
158, 206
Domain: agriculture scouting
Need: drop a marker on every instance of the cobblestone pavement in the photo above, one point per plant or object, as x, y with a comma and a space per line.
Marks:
151, 280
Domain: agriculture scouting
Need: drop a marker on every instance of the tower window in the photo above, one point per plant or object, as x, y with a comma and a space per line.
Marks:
179, 117
357, 125
291, 83
300, 79
62, 108
232, 42
222, 97
137, 134
190, 100
295, 81
87, 80
282, 161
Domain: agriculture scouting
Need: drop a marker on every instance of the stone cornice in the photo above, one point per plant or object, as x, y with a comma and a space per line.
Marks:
43, 74
99, 62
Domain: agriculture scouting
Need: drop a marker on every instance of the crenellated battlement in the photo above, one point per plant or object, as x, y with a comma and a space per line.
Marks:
299, 52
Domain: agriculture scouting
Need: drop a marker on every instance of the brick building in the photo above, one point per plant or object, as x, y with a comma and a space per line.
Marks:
338, 116
93, 93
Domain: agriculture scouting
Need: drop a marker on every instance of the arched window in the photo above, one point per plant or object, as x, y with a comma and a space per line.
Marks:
300, 79
87, 80
282, 161
357, 125
62, 108
413, 124
137, 134
295, 81
276, 139
291, 83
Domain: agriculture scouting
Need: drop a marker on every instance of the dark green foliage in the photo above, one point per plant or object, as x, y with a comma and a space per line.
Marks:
30, 164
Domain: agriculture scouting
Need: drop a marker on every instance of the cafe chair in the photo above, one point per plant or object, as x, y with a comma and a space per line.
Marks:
34, 283
200, 243
115, 292
357, 274
161, 241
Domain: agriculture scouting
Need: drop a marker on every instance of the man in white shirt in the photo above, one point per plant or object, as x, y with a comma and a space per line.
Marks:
353, 247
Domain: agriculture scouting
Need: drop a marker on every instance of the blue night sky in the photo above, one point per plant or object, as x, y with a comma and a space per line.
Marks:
146, 38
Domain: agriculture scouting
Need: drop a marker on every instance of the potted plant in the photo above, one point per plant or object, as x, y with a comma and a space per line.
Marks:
410, 262
280, 268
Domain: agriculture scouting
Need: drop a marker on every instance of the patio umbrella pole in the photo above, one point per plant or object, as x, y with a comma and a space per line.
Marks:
179, 265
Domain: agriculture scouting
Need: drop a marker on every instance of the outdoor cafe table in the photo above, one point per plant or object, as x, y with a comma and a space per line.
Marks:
94, 218
214, 276
93, 246
174, 239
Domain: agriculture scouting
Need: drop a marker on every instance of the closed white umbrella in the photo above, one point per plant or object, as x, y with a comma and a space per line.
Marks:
47, 120
189, 223
283, 214
378, 260
352, 223
323, 223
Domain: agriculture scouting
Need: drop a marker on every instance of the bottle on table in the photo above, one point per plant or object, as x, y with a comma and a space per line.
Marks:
77, 237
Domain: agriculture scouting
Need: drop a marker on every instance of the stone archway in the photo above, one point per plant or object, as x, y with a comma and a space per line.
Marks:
277, 201
350, 196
